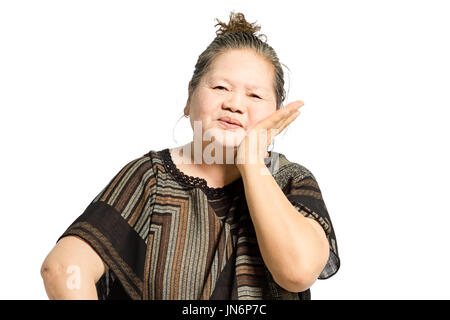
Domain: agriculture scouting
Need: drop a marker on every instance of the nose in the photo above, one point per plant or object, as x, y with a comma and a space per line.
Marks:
234, 103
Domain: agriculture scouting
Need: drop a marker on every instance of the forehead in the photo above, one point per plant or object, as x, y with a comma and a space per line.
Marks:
249, 85
242, 68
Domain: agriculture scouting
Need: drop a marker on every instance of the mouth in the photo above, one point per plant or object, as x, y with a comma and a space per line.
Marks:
229, 123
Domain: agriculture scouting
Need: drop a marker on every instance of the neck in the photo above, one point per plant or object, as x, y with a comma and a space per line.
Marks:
213, 167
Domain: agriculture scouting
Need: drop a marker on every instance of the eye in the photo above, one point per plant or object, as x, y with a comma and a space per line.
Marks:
219, 87
254, 95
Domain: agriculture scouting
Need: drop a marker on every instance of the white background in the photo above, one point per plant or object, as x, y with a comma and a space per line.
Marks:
87, 86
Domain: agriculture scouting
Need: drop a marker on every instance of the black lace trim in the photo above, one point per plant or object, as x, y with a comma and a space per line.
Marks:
196, 181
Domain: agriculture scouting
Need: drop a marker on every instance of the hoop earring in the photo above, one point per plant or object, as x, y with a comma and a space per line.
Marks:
173, 130
271, 144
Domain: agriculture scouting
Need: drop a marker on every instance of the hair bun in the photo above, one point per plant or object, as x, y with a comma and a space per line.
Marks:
236, 24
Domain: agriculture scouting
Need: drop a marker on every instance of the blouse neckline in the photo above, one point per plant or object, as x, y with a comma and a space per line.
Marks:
198, 182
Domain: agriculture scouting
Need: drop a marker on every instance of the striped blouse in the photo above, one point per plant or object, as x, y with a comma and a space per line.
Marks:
166, 235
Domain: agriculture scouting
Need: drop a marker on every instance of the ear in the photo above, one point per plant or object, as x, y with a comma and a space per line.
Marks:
187, 108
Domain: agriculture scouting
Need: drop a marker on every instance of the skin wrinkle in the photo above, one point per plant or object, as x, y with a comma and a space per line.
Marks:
242, 68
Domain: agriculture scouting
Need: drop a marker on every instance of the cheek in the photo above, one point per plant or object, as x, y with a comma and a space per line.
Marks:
257, 116
207, 115
203, 112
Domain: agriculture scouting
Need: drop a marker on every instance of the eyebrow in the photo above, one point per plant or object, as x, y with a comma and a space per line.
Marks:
248, 87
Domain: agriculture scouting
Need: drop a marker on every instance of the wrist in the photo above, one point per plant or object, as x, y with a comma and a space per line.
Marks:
257, 167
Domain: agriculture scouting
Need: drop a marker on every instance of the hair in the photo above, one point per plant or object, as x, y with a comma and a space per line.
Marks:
239, 34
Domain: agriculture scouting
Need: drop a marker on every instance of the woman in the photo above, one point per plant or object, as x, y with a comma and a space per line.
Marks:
218, 218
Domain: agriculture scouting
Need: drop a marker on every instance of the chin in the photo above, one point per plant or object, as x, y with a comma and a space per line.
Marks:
222, 137
227, 142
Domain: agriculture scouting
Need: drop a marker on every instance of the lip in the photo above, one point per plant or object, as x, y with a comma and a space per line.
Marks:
230, 122
229, 126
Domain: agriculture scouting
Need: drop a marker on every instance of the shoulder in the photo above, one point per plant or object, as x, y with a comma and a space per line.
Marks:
142, 165
288, 171
133, 177
141, 168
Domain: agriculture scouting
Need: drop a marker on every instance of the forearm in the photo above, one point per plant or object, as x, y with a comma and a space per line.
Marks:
60, 285
292, 249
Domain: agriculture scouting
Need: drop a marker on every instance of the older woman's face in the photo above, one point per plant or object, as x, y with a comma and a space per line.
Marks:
239, 85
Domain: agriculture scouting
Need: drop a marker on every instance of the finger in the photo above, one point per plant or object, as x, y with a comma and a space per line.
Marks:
289, 120
297, 103
273, 133
275, 120
279, 116
294, 106
283, 114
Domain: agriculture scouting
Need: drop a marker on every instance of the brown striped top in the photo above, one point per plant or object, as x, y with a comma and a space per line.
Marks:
167, 235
